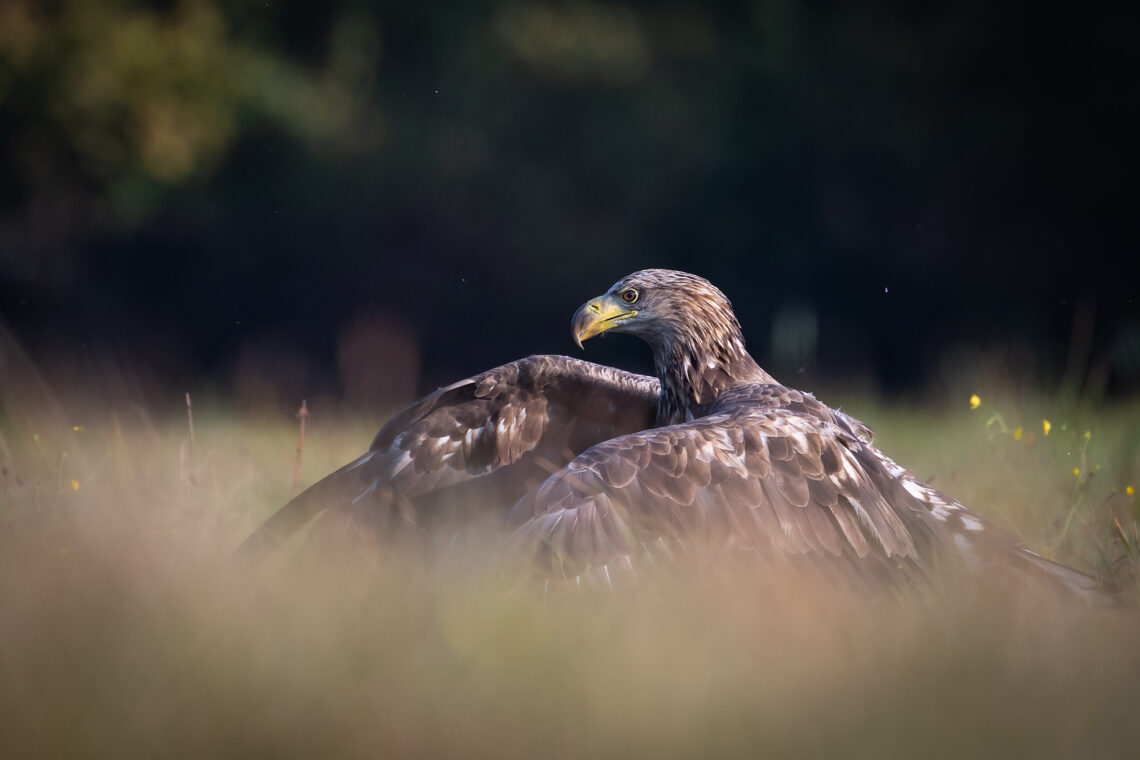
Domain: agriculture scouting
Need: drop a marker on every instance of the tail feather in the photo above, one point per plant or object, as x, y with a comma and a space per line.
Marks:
1079, 584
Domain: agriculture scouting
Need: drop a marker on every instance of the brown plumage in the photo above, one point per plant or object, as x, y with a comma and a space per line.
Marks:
605, 468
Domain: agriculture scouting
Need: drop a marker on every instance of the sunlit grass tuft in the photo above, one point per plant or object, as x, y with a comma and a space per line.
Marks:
128, 631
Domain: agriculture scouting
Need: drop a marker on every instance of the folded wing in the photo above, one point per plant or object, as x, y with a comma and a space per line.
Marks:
777, 482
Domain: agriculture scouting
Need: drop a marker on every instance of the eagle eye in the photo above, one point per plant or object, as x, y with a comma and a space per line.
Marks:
629, 295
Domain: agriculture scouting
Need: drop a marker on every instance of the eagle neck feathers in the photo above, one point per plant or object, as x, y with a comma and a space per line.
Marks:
697, 363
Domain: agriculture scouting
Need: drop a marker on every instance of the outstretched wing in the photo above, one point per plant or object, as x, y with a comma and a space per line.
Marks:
779, 482
512, 425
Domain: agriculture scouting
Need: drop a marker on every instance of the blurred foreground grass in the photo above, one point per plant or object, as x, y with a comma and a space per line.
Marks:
125, 630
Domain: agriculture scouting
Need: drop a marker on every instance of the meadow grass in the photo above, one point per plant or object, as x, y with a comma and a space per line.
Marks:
126, 630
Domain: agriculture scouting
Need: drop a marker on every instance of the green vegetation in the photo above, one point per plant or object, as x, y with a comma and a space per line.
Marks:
242, 195
127, 630
222, 167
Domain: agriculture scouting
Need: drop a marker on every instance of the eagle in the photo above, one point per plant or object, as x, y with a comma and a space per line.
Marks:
597, 469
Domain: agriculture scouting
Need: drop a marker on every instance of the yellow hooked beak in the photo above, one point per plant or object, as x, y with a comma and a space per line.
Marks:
598, 315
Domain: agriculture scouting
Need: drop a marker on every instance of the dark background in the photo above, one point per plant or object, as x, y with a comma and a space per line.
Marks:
367, 200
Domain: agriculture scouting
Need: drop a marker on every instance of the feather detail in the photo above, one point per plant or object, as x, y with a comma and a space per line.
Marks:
605, 468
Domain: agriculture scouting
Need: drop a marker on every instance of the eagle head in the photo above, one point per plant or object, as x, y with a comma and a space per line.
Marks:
662, 307
698, 348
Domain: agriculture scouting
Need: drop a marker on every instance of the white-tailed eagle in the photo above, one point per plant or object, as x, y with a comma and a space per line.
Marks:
599, 468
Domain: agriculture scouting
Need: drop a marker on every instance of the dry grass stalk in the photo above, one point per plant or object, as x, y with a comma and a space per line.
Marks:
190, 450
303, 416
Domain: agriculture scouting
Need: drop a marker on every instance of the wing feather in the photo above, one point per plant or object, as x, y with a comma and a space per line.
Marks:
775, 481
504, 429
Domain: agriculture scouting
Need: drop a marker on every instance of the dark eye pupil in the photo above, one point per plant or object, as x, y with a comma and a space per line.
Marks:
629, 296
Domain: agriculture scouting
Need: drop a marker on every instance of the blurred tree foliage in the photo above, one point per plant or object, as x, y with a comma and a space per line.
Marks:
898, 177
116, 102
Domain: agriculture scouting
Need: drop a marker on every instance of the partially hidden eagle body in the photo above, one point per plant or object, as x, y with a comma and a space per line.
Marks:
598, 469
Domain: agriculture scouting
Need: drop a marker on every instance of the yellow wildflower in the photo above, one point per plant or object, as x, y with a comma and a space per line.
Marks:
1077, 471
975, 401
1017, 434
77, 428
74, 484
1046, 425
1130, 490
